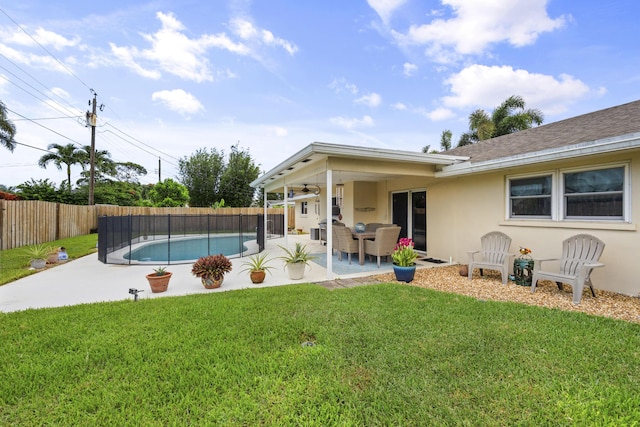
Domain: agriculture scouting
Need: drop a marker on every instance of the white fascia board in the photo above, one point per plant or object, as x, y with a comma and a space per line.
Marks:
608, 145
326, 149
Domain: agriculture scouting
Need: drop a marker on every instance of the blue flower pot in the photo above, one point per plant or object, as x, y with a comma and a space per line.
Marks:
404, 274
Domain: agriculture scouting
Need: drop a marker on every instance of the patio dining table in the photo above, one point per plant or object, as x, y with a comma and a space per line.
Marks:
362, 236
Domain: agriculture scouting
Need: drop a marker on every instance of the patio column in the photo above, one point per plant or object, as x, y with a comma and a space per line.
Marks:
329, 225
265, 220
286, 215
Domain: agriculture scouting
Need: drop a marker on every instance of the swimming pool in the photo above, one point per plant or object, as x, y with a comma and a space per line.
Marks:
189, 249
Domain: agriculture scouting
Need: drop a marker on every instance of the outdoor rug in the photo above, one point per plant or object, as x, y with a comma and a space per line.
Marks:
343, 267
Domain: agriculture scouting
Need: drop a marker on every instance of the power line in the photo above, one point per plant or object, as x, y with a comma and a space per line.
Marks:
43, 126
44, 48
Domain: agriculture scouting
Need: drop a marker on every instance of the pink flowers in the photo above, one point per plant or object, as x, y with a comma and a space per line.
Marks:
404, 242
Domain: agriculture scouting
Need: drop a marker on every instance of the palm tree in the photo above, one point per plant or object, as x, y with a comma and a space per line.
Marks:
104, 167
65, 155
7, 129
508, 117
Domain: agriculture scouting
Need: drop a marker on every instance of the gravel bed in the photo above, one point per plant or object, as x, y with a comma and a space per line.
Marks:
547, 294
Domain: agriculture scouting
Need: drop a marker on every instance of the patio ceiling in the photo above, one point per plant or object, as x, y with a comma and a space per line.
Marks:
348, 163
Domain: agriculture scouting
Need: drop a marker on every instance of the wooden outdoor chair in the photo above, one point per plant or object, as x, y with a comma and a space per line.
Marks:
384, 243
494, 255
580, 255
346, 242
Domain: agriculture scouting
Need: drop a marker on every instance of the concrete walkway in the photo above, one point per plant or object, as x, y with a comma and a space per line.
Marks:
87, 280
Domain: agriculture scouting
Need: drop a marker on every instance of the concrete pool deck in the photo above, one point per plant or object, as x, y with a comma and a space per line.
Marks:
87, 280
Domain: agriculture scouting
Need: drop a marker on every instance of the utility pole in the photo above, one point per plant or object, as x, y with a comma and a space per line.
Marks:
159, 175
91, 121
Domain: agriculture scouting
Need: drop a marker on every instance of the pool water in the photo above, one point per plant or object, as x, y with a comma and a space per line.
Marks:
189, 249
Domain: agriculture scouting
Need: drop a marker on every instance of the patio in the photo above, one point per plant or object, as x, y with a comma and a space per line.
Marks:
87, 280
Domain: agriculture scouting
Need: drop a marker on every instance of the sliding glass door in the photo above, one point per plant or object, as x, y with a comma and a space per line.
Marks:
409, 211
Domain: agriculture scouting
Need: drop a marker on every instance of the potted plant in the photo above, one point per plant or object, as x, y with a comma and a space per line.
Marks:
296, 260
52, 256
257, 266
159, 279
211, 270
38, 255
404, 257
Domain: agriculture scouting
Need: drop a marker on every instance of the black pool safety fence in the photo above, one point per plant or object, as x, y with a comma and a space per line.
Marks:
149, 239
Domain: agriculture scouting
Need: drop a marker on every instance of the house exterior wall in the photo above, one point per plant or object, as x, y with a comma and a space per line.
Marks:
460, 210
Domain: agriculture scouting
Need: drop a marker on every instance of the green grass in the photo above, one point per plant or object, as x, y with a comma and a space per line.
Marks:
14, 263
384, 355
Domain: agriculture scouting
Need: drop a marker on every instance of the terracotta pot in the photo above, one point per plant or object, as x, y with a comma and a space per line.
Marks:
52, 258
464, 270
212, 282
257, 276
158, 283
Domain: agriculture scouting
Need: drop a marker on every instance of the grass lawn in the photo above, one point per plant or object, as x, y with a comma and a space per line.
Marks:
14, 263
383, 355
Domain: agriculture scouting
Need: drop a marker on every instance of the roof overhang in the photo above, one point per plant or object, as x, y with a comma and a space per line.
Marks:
319, 151
602, 146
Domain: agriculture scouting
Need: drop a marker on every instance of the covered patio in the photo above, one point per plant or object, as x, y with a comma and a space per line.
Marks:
351, 185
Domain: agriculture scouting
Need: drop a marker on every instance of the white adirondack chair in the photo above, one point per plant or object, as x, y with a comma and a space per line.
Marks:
494, 255
580, 255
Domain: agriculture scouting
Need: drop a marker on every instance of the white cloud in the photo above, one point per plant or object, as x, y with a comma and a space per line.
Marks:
42, 36
175, 53
178, 100
399, 106
248, 32
409, 69
277, 131
341, 85
352, 123
372, 100
474, 25
480, 85
385, 8
440, 114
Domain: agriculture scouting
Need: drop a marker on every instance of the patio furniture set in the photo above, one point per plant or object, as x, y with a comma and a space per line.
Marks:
580, 255
374, 239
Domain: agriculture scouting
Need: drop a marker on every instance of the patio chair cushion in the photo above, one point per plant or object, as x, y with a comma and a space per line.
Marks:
384, 242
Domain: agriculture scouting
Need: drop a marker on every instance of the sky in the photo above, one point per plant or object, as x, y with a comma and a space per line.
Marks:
174, 77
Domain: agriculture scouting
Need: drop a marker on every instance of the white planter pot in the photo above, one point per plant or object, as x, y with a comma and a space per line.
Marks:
38, 263
296, 270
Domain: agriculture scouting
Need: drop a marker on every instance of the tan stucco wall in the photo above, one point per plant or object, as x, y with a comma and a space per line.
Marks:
460, 211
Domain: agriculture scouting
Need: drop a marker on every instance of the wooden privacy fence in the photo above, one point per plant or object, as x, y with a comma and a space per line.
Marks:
28, 222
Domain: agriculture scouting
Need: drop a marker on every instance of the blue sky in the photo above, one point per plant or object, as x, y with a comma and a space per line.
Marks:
274, 76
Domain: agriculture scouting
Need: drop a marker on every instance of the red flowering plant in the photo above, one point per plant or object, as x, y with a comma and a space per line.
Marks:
404, 255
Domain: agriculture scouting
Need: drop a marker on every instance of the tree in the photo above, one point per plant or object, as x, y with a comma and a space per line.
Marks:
43, 190
129, 171
445, 140
508, 117
238, 173
67, 155
104, 167
7, 129
201, 174
169, 193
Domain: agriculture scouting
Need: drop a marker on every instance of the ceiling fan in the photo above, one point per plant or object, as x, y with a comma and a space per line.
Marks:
306, 190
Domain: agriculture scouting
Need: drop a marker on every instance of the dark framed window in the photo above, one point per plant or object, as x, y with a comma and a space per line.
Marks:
594, 194
304, 208
530, 197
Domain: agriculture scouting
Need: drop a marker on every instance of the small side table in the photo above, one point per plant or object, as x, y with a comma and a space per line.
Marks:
523, 271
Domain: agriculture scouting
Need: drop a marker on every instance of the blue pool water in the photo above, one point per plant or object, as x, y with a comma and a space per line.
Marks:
189, 249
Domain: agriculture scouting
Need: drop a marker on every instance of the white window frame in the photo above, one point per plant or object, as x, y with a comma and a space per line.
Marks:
626, 192
558, 208
553, 196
